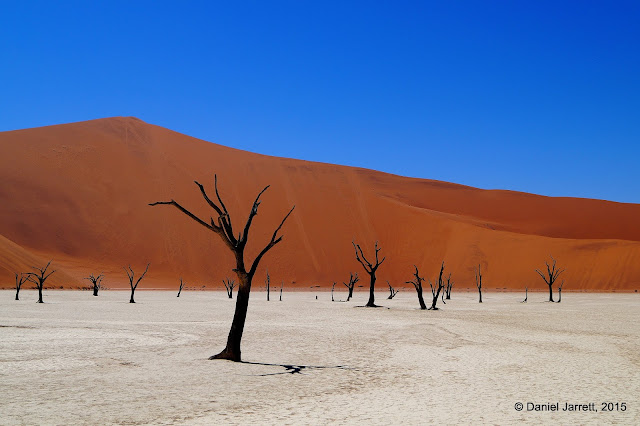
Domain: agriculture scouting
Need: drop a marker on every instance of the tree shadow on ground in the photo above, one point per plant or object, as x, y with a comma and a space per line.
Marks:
294, 368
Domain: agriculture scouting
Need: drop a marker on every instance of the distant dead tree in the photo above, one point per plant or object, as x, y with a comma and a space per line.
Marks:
96, 282
392, 291
224, 229
182, 284
370, 269
281, 287
436, 289
229, 284
526, 295
39, 278
552, 276
560, 291
448, 287
131, 276
268, 282
479, 281
332, 288
417, 283
20, 279
353, 279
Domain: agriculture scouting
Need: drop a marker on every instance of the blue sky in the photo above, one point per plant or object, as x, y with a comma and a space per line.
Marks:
534, 96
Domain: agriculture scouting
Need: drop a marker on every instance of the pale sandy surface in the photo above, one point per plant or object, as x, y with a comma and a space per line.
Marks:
79, 359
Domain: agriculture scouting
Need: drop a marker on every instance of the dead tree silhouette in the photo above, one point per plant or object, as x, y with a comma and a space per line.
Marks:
353, 279
96, 282
39, 278
229, 284
560, 291
268, 281
526, 295
392, 291
448, 288
182, 284
435, 291
552, 276
417, 283
370, 269
479, 282
131, 276
333, 288
20, 279
224, 229
281, 287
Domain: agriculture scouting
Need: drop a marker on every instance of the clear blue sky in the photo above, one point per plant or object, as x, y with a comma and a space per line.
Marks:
535, 96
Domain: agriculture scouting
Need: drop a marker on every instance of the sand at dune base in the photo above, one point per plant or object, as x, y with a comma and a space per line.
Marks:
83, 359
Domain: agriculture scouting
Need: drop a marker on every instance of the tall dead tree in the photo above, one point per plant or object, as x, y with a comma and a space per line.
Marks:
370, 269
182, 284
551, 277
448, 288
560, 291
392, 291
479, 282
229, 284
436, 289
131, 276
96, 282
268, 282
353, 279
20, 279
224, 229
417, 283
39, 278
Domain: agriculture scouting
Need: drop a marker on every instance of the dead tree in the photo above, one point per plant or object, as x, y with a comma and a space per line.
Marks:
268, 281
332, 288
96, 282
370, 269
560, 291
281, 287
526, 295
131, 276
479, 282
182, 284
417, 283
552, 276
353, 279
435, 290
448, 288
224, 229
229, 284
20, 279
39, 278
392, 291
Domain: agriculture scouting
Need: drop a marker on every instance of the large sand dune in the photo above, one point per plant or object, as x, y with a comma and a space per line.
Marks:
78, 194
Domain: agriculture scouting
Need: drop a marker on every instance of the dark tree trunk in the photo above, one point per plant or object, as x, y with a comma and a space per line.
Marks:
550, 293
421, 299
40, 294
559, 295
480, 293
372, 286
17, 292
232, 350
350, 293
131, 299
95, 291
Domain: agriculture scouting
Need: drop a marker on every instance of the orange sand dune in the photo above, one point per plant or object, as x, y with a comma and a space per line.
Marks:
78, 193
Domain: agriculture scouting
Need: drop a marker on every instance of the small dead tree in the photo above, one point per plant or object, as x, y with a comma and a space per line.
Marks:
229, 284
182, 284
392, 291
479, 282
353, 279
417, 283
131, 276
526, 295
448, 288
268, 282
551, 277
560, 291
370, 269
20, 279
224, 229
281, 287
96, 282
39, 278
333, 288
435, 290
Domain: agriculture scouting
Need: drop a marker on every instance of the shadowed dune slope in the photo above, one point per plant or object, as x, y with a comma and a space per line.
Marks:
78, 194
